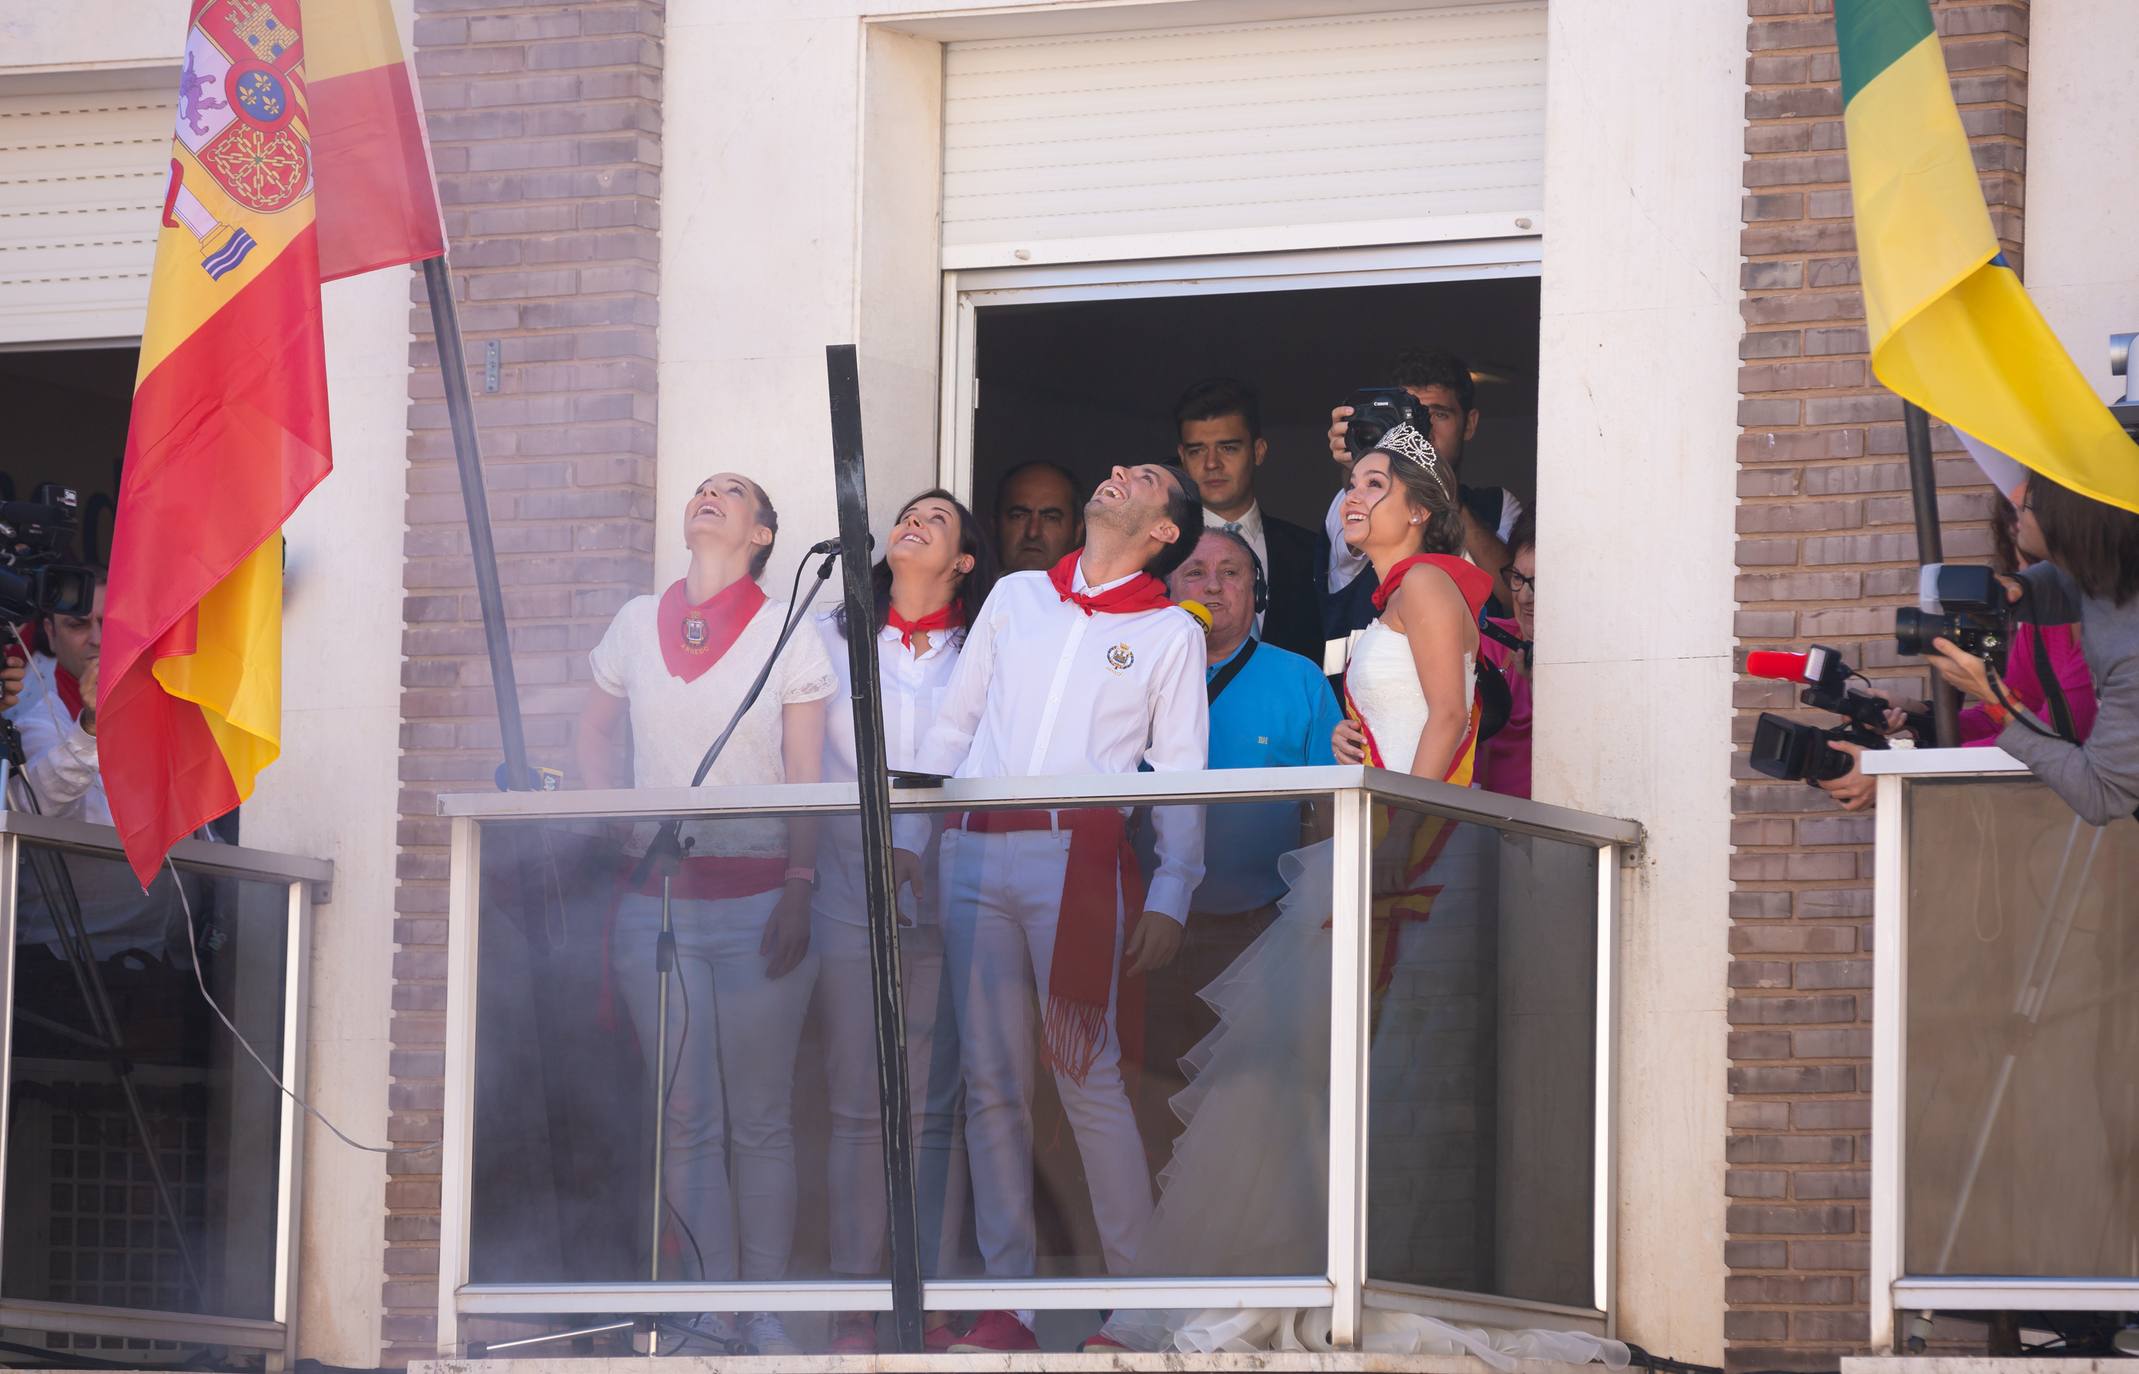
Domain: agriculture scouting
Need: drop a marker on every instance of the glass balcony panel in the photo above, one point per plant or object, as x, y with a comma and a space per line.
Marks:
1482, 1067
143, 1144
2023, 964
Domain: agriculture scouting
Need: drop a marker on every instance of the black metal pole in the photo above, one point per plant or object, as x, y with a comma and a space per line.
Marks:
875, 782
1930, 548
468, 456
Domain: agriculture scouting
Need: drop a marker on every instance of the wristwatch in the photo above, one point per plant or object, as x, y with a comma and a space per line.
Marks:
796, 873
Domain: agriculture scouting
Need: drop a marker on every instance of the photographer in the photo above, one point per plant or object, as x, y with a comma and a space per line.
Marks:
2090, 575
2016, 544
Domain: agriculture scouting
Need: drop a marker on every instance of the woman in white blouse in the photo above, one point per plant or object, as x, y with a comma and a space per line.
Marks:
679, 664
935, 573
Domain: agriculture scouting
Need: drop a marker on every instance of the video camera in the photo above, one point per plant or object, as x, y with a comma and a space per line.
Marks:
35, 578
1961, 602
1375, 411
1792, 749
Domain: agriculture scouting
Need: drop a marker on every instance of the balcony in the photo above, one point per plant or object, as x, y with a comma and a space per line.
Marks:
2005, 1110
151, 1168
1445, 1115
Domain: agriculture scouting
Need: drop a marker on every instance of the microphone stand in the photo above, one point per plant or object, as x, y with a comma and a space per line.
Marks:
665, 855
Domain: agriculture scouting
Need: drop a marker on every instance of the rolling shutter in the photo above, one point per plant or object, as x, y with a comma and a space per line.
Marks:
1395, 118
82, 175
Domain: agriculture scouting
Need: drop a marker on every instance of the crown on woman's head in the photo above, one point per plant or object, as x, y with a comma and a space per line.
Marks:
1404, 441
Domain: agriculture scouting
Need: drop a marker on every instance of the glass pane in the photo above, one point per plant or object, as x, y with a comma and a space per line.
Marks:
2023, 956
1483, 1062
143, 1144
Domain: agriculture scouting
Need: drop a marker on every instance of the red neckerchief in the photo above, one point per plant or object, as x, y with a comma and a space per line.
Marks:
1142, 592
942, 618
70, 691
1470, 579
693, 638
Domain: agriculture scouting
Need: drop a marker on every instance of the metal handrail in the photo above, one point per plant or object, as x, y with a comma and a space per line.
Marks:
201, 855
1128, 789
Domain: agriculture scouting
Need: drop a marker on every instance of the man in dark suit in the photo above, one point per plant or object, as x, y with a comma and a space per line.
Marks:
1218, 427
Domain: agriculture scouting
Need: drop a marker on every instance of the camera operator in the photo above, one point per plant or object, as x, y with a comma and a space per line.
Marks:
57, 715
2090, 574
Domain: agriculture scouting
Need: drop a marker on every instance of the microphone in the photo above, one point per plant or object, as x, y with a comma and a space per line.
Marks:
1783, 667
1201, 612
832, 545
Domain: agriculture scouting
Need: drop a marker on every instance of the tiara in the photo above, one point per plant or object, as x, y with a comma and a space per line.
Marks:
1403, 441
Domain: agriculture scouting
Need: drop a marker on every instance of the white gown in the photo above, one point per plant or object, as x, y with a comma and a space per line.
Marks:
1246, 1192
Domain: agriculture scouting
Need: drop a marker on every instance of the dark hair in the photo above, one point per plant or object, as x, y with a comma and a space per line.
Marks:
770, 519
1524, 535
1435, 367
1069, 478
39, 630
2097, 544
1214, 398
2005, 553
972, 588
1431, 491
1185, 509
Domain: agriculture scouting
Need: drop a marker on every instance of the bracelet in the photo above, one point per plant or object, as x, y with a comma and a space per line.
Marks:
798, 874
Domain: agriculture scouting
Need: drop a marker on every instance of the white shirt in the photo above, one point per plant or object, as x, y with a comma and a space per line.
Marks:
673, 721
61, 755
1043, 689
1346, 564
1250, 528
913, 686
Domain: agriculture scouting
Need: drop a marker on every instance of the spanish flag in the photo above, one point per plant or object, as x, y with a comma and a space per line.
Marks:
1951, 327
229, 428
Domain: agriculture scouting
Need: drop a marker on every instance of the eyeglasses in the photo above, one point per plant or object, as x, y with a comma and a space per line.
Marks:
1518, 583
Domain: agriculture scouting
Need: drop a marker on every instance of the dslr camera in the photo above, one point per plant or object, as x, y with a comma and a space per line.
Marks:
35, 578
1960, 602
1793, 749
1375, 411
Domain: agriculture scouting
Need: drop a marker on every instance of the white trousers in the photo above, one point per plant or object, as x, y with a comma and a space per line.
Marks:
732, 1035
1002, 898
846, 1006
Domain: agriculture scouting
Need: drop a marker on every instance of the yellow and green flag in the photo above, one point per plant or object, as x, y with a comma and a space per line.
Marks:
1952, 329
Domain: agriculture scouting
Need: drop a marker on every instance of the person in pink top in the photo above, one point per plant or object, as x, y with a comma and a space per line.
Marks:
1504, 759
2016, 543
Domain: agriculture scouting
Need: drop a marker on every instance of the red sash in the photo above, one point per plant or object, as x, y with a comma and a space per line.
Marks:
1102, 864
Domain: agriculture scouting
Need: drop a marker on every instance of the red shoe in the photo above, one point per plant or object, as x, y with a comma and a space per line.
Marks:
939, 1339
996, 1333
1100, 1343
853, 1333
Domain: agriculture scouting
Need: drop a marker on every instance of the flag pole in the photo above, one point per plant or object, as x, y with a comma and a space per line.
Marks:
482, 549
1930, 548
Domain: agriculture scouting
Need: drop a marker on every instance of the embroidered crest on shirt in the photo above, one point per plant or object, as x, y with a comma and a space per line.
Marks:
1120, 658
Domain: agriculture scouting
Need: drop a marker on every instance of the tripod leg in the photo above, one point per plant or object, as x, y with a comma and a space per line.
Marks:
664, 967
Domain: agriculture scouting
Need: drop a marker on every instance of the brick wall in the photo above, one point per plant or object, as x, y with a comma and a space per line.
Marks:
1826, 550
545, 125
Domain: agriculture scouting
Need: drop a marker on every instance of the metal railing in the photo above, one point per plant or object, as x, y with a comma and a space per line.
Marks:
1351, 800
147, 1160
2006, 1014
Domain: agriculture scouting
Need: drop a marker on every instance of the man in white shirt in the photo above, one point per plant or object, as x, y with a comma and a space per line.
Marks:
1084, 668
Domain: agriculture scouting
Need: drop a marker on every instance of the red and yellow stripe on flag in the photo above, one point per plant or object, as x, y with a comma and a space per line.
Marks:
229, 432
378, 202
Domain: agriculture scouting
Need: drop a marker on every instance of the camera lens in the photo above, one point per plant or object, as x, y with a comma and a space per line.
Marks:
1914, 629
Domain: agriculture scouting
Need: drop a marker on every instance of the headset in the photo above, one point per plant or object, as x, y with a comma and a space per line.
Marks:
1262, 584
